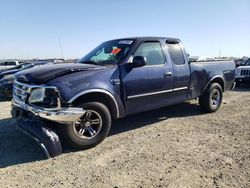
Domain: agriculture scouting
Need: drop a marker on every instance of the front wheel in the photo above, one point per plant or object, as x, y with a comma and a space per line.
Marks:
211, 99
91, 129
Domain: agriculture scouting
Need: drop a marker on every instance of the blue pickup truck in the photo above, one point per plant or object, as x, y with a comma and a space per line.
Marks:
118, 78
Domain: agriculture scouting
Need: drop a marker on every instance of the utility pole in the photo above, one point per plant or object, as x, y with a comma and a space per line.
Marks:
60, 45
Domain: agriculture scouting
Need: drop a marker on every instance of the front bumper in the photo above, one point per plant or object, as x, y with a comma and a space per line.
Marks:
62, 115
242, 79
44, 136
30, 121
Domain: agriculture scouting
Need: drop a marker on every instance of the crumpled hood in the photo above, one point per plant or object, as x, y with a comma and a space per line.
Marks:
9, 72
42, 74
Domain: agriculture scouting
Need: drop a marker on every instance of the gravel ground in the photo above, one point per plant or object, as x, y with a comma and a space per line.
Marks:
178, 146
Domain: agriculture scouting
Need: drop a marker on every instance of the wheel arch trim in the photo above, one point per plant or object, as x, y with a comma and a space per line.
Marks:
214, 78
111, 96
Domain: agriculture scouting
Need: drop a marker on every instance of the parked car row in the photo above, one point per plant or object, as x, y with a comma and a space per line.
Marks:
7, 76
238, 62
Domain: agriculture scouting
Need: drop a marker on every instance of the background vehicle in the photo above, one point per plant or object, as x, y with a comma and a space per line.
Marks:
206, 59
9, 64
240, 62
116, 79
193, 58
7, 77
242, 73
15, 67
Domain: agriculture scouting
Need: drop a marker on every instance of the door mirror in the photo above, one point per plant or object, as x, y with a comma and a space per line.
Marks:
139, 61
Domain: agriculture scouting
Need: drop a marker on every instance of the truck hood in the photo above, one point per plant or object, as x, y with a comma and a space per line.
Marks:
9, 72
42, 74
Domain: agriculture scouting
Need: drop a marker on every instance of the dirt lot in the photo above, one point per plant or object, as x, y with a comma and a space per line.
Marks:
178, 146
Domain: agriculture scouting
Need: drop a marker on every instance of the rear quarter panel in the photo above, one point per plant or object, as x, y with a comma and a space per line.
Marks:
202, 73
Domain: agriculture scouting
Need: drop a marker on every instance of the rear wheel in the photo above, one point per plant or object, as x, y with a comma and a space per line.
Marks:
91, 129
211, 99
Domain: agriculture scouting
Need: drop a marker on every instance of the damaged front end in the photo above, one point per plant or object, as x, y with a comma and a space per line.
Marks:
32, 104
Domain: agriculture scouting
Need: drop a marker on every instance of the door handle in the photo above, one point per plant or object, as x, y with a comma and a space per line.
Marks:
167, 74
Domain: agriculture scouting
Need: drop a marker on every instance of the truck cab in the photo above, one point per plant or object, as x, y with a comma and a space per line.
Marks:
164, 75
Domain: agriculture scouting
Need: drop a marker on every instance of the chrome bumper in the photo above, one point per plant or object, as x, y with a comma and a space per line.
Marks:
62, 115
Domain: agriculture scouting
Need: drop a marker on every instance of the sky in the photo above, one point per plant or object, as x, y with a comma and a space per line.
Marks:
69, 29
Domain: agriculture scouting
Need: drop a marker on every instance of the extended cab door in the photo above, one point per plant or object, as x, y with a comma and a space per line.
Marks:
181, 71
150, 86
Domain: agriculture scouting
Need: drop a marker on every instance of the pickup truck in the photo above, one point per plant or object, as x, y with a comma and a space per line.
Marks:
242, 73
118, 78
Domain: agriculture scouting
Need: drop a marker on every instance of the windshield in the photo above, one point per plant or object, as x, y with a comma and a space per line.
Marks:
110, 52
247, 63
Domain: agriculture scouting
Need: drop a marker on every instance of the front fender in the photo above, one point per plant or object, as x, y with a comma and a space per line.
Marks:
114, 101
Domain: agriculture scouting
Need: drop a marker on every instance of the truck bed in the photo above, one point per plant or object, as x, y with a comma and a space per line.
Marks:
203, 72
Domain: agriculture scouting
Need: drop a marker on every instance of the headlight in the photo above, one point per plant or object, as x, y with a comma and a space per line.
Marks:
44, 97
237, 72
37, 95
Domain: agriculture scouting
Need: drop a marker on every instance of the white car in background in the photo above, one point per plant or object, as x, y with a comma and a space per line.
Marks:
205, 58
8, 64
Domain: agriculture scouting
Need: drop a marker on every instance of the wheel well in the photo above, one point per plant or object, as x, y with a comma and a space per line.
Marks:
219, 81
98, 97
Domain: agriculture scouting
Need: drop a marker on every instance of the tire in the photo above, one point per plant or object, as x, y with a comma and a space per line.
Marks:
211, 99
79, 135
237, 84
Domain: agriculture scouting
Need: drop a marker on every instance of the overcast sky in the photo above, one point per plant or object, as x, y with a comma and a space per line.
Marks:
37, 29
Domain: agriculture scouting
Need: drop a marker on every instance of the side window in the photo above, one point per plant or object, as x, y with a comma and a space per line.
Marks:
10, 63
176, 54
152, 51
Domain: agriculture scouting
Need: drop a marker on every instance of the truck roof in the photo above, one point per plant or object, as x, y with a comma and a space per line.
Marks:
174, 40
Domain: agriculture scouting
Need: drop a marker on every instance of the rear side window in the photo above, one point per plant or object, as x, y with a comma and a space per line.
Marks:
176, 54
10, 63
152, 51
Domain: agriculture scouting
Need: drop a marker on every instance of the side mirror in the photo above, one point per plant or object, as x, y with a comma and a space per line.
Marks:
138, 61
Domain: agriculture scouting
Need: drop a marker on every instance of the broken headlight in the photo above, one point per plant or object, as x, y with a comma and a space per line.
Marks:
45, 97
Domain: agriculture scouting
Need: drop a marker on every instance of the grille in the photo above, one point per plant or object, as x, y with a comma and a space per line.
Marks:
245, 72
50, 101
20, 91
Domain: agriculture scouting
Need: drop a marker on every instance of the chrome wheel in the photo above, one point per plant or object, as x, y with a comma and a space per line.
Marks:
215, 97
89, 125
